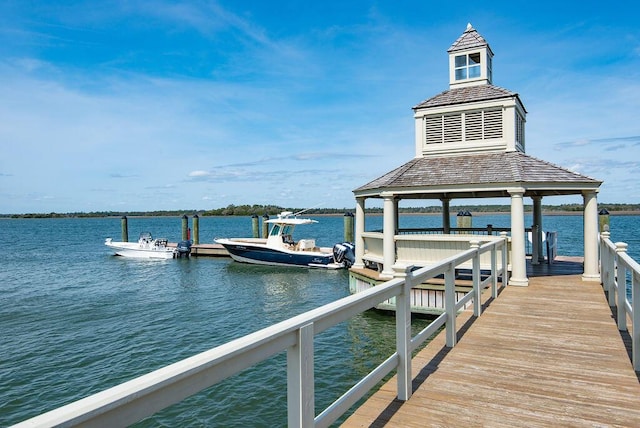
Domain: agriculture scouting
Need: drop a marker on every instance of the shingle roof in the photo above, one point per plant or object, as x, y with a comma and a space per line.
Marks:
468, 40
509, 168
467, 94
481, 174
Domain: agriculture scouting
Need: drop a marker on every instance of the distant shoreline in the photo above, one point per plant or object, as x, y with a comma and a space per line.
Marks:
273, 210
308, 214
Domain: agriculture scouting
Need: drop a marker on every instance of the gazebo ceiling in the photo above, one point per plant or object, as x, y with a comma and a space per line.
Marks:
484, 175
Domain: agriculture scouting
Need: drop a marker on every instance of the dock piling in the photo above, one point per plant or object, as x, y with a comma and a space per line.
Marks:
196, 229
464, 219
265, 226
603, 220
125, 229
185, 227
255, 228
348, 227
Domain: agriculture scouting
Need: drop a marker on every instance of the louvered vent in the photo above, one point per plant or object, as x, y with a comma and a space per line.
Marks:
478, 126
519, 130
492, 124
433, 129
473, 126
452, 128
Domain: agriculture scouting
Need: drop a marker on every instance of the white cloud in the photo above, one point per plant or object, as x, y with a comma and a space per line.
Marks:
232, 100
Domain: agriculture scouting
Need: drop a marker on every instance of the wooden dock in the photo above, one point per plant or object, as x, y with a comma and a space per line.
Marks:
545, 355
206, 250
209, 250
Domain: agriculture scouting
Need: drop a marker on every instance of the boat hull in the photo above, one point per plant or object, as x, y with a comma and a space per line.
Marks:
133, 250
263, 255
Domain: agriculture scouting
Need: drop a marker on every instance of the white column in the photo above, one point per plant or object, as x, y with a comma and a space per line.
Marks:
537, 220
359, 240
590, 237
446, 216
518, 251
388, 233
396, 215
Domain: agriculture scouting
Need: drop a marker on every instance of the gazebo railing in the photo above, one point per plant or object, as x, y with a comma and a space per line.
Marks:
488, 230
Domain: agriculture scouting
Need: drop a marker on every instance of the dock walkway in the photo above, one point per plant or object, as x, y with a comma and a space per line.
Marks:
545, 355
205, 250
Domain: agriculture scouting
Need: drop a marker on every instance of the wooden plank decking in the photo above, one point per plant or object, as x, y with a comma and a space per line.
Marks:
206, 250
545, 355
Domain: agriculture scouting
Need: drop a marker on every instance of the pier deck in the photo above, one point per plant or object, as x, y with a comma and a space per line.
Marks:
206, 250
545, 355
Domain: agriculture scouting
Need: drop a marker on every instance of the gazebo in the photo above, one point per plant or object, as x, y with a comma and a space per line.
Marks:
470, 143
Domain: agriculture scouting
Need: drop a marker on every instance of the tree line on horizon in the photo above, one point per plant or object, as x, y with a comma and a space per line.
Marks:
272, 210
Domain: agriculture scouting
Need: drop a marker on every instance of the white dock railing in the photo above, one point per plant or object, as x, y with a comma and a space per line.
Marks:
619, 273
141, 397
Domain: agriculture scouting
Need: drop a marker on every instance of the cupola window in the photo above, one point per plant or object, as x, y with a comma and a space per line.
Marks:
467, 66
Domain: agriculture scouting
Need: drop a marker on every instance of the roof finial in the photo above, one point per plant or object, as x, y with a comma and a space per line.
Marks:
469, 27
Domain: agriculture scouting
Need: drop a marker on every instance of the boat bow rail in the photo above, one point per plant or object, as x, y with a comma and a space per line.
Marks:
141, 397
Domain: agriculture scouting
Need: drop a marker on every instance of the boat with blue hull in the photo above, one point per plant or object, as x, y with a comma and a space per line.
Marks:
280, 249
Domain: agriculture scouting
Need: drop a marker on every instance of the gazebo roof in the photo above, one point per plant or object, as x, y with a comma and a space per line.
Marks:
479, 175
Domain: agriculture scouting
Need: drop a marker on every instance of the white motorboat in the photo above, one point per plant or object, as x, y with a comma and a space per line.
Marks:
280, 249
145, 248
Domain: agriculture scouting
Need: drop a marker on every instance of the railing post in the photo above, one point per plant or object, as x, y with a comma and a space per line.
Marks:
621, 247
635, 322
494, 271
403, 336
611, 275
477, 301
505, 259
450, 305
300, 380
604, 264
609, 268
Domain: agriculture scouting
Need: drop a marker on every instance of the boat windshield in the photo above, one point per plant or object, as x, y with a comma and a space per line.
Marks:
284, 229
287, 229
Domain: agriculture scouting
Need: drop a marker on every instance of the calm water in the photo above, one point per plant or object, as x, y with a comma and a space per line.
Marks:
75, 320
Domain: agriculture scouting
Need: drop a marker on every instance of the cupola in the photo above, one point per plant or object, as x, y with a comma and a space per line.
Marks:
469, 60
473, 115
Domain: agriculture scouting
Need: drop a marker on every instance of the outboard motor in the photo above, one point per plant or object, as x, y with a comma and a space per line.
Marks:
183, 248
344, 253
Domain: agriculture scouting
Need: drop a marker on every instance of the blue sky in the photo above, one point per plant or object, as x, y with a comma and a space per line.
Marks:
157, 105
